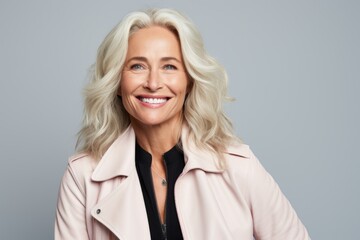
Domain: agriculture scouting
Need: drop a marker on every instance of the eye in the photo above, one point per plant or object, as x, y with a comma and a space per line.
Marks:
169, 67
136, 67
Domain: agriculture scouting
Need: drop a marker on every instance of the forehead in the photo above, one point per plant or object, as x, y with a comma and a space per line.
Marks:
154, 38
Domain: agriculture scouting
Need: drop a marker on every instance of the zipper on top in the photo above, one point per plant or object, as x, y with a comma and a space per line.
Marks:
163, 225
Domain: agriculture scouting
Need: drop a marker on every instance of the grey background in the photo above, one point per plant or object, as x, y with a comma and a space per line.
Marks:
293, 68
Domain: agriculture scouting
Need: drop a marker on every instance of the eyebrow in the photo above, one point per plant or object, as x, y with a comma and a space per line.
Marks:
144, 59
170, 58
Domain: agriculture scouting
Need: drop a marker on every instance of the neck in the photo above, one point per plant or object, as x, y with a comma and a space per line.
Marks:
157, 139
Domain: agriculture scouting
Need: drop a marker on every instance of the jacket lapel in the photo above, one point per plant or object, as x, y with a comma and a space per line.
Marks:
123, 210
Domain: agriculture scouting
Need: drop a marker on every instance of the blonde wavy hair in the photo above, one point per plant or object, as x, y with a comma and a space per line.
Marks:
104, 115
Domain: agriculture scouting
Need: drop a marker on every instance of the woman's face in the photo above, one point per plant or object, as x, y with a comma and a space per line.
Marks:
154, 80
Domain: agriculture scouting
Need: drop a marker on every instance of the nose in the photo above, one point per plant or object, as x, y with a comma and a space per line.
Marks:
154, 81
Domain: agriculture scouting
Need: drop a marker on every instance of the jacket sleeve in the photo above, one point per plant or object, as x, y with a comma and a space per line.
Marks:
273, 216
70, 221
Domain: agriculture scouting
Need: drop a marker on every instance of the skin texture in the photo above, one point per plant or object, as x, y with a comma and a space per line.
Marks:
154, 69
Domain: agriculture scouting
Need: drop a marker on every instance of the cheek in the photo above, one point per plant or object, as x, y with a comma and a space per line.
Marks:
124, 86
180, 84
186, 87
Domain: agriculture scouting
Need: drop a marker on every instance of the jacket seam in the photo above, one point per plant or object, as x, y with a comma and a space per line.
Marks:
75, 177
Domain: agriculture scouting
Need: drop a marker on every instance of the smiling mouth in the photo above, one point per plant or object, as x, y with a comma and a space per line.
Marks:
153, 100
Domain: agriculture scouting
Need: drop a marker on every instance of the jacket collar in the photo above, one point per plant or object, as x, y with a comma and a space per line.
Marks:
197, 158
119, 159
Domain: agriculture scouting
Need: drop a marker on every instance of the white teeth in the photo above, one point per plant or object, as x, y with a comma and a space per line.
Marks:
153, 100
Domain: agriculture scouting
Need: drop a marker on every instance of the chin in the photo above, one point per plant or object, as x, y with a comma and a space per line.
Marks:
148, 122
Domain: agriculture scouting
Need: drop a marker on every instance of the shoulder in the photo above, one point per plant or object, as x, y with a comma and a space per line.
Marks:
239, 155
83, 161
81, 166
246, 172
241, 161
238, 149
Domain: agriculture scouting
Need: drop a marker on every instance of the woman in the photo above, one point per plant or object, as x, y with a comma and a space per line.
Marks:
159, 159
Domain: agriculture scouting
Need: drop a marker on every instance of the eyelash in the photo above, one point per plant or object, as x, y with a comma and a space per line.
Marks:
138, 66
172, 67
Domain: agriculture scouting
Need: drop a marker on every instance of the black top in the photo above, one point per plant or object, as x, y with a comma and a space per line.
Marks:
174, 165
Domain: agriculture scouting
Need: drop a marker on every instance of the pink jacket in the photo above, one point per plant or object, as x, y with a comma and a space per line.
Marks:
103, 199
